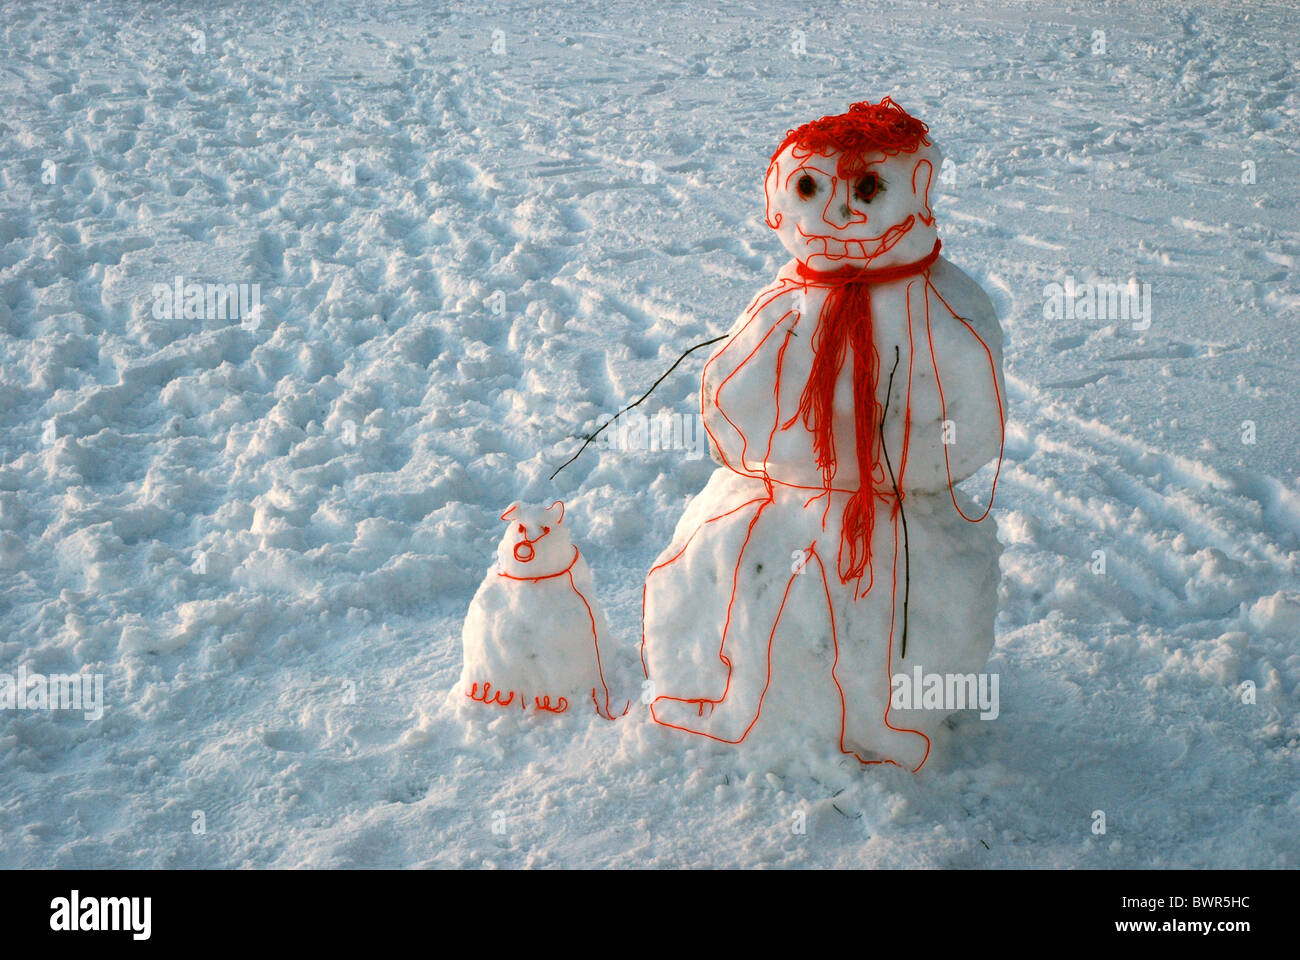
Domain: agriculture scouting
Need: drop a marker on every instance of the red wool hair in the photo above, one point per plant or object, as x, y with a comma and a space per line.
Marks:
866, 128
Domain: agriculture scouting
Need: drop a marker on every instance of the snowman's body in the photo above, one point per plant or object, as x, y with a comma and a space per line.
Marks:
533, 637
739, 403
776, 643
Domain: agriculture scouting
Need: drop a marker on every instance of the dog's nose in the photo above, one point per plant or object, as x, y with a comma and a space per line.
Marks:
524, 551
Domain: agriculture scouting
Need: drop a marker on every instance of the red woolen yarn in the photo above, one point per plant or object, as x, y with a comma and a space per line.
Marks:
845, 321
866, 128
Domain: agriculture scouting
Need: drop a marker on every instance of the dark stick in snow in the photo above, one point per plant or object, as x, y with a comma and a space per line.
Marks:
898, 498
593, 436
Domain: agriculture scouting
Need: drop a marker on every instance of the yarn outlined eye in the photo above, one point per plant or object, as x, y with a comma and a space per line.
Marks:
806, 186
545, 530
868, 188
523, 529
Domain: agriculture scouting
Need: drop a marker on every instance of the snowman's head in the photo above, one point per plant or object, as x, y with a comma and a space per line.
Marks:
535, 544
853, 189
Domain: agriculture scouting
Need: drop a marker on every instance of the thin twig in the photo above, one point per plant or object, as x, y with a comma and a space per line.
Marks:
631, 405
898, 498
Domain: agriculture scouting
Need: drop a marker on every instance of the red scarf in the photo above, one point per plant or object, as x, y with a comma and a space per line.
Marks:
846, 321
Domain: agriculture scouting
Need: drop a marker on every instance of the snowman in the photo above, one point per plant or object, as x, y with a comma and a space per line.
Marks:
533, 637
831, 553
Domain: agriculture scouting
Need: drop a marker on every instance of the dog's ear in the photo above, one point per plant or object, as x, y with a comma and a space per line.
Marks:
510, 511
556, 510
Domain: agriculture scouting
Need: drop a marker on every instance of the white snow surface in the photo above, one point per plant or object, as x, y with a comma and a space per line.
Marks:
341, 465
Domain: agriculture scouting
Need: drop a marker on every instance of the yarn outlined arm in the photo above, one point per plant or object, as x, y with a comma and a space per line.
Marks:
962, 348
737, 393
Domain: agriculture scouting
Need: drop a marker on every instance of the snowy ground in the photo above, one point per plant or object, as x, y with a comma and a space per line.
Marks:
341, 467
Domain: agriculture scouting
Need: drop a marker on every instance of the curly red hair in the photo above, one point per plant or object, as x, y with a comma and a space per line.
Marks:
866, 128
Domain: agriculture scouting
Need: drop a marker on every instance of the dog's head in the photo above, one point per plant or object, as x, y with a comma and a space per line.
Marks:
536, 544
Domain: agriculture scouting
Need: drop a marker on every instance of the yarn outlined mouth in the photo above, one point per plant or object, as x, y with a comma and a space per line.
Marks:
838, 248
525, 546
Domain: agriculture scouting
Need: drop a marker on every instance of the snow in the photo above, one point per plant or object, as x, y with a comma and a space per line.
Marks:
341, 462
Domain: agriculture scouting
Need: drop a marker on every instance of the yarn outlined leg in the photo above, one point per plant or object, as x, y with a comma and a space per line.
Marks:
753, 619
